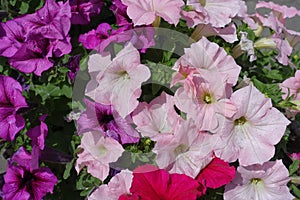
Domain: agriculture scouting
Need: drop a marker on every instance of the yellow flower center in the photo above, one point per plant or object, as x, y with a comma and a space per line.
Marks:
255, 181
203, 2
207, 98
242, 120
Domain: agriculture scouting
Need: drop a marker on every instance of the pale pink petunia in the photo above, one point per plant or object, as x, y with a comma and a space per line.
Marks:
186, 152
97, 152
260, 182
144, 12
250, 135
228, 33
216, 12
208, 57
291, 86
203, 99
119, 81
281, 11
156, 118
119, 185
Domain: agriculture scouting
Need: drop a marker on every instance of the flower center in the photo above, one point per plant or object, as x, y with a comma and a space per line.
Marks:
181, 149
102, 151
124, 74
203, 2
207, 98
242, 120
255, 181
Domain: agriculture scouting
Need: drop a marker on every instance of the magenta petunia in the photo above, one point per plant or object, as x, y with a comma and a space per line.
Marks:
266, 181
11, 101
23, 182
120, 80
145, 12
104, 118
216, 174
151, 183
82, 10
119, 9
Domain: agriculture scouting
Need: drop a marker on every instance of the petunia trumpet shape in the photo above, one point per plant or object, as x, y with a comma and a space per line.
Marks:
104, 118
97, 152
157, 118
145, 12
250, 135
82, 10
119, 185
25, 183
208, 57
260, 182
119, 81
11, 101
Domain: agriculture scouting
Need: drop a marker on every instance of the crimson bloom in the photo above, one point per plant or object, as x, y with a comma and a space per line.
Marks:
151, 183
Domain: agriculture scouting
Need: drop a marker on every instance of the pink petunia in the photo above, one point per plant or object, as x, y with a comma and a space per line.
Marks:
186, 152
119, 185
217, 13
157, 118
97, 152
266, 181
250, 135
144, 12
203, 99
119, 81
291, 86
208, 57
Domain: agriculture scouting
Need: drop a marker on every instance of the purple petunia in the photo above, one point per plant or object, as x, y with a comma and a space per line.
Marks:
29, 42
82, 10
11, 101
23, 182
99, 117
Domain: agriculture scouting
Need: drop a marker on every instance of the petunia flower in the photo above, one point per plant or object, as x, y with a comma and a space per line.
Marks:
52, 20
11, 101
82, 10
119, 185
97, 152
217, 13
157, 118
266, 181
208, 57
119, 10
119, 80
291, 86
145, 12
205, 98
246, 136
73, 65
216, 174
25, 183
151, 183
186, 152
104, 118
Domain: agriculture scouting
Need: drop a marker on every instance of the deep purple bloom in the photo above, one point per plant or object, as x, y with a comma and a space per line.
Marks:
29, 41
12, 36
11, 100
23, 182
39, 133
82, 10
53, 20
120, 11
106, 119
73, 65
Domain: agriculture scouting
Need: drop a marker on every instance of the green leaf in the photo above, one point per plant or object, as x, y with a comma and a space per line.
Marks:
294, 167
24, 7
295, 190
67, 171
